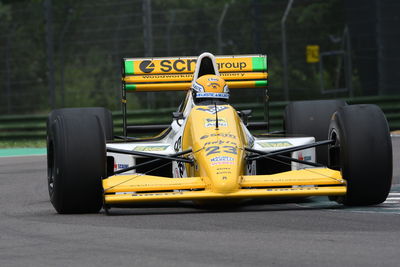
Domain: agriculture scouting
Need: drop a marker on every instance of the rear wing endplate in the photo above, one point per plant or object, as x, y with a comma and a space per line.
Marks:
176, 73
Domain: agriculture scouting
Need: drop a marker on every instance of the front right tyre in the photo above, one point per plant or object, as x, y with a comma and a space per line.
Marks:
76, 158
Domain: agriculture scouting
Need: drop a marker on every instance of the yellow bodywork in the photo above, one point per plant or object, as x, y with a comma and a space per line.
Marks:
184, 86
140, 188
188, 77
218, 152
218, 172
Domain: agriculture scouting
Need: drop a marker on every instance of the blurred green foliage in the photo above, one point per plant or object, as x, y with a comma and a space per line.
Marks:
91, 36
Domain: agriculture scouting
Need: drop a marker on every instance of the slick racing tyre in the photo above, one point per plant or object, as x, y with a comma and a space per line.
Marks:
76, 159
104, 116
362, 152
311, 118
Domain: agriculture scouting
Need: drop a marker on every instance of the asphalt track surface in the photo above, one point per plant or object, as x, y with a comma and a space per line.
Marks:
313, 233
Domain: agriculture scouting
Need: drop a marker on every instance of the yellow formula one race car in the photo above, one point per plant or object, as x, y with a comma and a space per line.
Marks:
208, 154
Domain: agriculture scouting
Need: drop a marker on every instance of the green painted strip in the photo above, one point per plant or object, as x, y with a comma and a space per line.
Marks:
261, 83
13, 152
130, 87
129, 69
259, 63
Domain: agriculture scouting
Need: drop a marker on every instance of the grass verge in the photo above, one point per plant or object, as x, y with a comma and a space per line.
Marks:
22, 143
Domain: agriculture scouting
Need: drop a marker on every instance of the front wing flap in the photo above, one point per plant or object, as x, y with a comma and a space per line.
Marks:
125, 189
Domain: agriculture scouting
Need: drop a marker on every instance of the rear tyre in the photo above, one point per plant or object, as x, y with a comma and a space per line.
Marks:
76, 158
362, 152
311, 118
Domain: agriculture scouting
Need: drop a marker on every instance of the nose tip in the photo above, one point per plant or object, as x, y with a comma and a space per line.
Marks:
225, 185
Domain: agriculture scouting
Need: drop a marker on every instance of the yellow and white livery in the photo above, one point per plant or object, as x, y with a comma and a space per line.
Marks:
217, 139
207, 153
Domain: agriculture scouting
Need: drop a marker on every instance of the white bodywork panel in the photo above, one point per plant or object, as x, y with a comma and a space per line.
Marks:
168, 145
273, 144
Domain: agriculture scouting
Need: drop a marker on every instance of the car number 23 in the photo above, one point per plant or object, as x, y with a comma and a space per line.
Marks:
217, 149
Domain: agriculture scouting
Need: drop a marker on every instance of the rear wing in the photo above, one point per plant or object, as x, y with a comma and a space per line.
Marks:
177, 73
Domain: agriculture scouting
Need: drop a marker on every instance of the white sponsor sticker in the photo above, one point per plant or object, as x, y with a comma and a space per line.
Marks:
209, 122
212, 110
221, 160
212, 95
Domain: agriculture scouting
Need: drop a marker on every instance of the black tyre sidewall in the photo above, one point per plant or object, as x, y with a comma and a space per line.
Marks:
77, 161
365, 153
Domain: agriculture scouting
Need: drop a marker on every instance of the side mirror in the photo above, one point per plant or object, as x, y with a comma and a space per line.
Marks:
177, 116
245, 115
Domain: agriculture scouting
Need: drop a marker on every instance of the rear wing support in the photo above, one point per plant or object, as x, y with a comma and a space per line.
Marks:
124, 120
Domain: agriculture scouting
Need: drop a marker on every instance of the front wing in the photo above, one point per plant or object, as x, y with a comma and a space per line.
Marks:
125, 189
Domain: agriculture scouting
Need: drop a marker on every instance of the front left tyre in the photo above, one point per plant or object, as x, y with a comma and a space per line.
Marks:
362, 152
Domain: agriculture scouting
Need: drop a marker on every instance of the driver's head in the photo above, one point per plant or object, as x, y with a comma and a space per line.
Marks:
209, 87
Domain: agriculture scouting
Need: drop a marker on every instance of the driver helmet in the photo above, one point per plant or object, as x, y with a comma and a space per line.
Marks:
210, 87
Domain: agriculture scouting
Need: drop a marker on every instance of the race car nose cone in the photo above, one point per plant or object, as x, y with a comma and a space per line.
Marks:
225, 184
